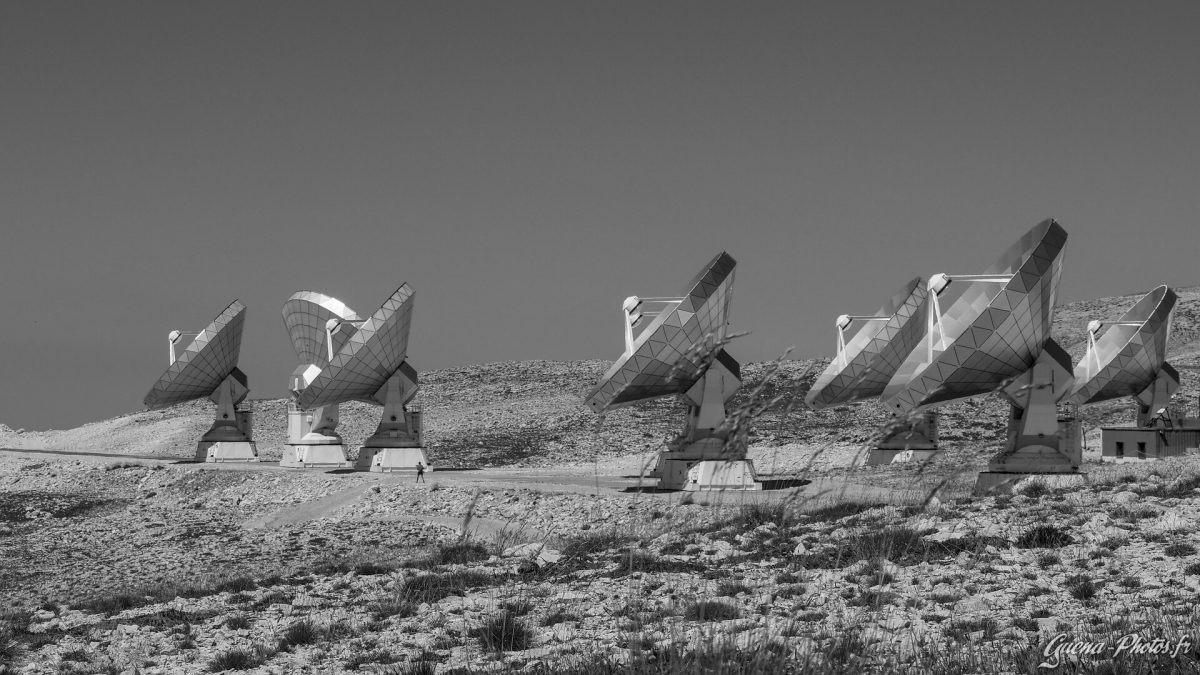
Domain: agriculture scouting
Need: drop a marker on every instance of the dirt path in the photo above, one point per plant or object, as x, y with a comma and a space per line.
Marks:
74, 453
612, 478
311, 510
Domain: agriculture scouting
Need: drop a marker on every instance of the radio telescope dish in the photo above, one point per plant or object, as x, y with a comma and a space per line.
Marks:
362, 365
995, 336
995, 329
306, 315
207, 367
661, 361
369, 364
648, 370
864, 364
318, 326
1129, 359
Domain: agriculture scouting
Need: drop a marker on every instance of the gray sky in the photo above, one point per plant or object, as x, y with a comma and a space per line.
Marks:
525, 166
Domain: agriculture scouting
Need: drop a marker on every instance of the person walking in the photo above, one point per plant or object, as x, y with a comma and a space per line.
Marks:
420, 472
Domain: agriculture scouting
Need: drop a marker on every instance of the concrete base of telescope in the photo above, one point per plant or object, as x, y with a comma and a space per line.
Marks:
388, 460
331, 456
913, 438
226, 451
879, 456
991, 483
710, 474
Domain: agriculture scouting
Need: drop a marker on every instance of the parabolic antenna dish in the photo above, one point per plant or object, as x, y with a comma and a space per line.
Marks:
992, 332
365, 362
645, 371
204, 364
864, 366
1131, 353
306, 314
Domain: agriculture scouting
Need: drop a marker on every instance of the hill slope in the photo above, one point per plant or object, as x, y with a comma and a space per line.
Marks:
531, 413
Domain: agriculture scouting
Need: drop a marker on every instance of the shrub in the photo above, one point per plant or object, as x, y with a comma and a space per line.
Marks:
872, 598
1179, 549
1033, 489
840, 510
1114, 543
1047, 560
1081, 587
901, 545
236, 585
786, 578
960, 630
642, 561
504, 632
1192, 569
594, 542
1043, 536
716, 656
1026, 623
434, 587
1134, 515
559, 616
712, 610
462, 553
418, 667
303, 632
112, 604
240, 659
518, 607
394, 607
378, 656
237, 622
754, 514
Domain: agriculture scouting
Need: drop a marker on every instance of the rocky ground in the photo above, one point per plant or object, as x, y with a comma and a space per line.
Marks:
181, 568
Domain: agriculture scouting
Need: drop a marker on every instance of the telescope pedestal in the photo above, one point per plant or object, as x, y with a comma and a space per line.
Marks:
313, 442
907, 440
1038, 442
228, 440
703, 458
227, 451
388, 460
396, 444
332, 456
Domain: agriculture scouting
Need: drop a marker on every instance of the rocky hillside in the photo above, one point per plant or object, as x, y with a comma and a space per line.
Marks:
531, 413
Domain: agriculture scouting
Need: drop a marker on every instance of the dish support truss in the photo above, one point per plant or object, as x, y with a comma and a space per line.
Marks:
706, 455
229, 438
